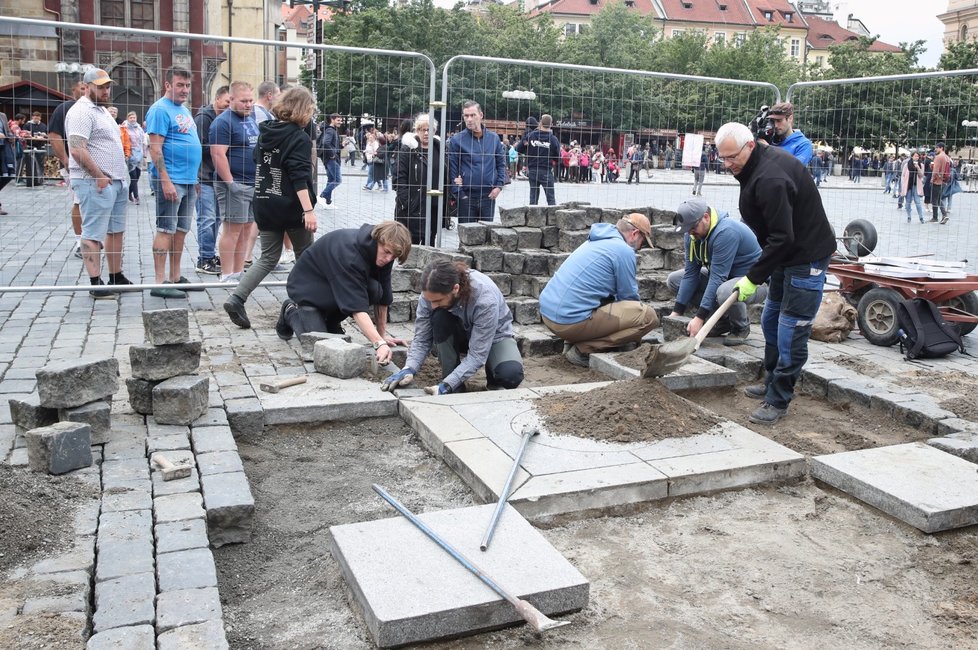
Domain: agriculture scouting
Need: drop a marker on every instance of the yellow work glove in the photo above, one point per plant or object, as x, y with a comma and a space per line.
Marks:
745, 288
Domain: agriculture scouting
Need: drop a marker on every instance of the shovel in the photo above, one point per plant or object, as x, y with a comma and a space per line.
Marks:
536, 619
667, 358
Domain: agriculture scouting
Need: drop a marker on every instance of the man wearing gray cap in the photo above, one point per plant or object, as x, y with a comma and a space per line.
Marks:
100, 179
718, 251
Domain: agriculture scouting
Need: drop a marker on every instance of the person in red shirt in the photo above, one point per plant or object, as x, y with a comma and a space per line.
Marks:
940, 174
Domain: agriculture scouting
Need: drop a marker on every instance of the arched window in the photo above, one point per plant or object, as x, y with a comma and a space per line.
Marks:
133, 89
964, 33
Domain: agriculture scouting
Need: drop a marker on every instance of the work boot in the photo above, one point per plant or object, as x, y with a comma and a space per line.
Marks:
282, 327
236, 310
737, 337
577, 358
767, 414
756, 391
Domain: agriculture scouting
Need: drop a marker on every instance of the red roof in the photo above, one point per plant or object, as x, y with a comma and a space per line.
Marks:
586, 7
779, 11
823, 33
727, 12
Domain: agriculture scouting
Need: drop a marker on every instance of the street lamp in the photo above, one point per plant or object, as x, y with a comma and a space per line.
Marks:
971, 124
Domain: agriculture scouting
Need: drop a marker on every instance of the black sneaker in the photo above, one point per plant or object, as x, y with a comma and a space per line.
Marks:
756, 391
208, 267
767, 414
236, 310
182, 285
102, 294
119, 279
282, 327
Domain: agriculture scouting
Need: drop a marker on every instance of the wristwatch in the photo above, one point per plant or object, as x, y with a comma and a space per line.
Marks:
377, 344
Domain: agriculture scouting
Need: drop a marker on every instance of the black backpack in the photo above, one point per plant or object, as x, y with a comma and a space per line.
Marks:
924, 334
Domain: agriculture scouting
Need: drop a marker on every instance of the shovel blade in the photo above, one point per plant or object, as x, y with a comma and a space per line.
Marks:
536, 619
669, 357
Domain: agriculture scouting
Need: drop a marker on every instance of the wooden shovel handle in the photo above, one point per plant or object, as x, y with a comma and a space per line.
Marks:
294, 381
717, 315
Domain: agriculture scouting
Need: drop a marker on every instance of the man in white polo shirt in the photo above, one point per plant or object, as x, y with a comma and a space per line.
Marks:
99, 176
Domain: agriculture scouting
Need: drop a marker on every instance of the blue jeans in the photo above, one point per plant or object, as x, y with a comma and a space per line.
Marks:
334, 176
208, 221
913, 197
794, 296
544, 178
475, 206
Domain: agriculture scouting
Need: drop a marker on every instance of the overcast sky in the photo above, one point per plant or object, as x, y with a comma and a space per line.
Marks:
899, 21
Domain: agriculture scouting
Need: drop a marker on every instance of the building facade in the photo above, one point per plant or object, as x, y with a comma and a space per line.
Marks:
960, 21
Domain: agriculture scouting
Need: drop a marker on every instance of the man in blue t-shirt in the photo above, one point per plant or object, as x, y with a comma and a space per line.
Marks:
782, 116
232, 139
175, 151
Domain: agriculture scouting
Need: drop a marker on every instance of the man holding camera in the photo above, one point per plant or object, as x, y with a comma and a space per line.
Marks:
782, 119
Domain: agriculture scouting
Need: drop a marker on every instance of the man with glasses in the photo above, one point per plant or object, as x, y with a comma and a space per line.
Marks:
780, 203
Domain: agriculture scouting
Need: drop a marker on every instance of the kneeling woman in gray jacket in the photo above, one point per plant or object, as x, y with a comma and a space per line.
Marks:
461, 312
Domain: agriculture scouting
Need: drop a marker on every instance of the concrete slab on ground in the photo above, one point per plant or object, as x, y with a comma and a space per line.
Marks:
409, 590
695, 373
324, 398
478, 435
927, 488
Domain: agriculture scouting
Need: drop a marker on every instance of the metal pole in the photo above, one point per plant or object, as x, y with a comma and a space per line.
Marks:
528, 432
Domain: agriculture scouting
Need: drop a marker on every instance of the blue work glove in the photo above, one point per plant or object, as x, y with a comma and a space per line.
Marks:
745, 288
399, 378
439, 389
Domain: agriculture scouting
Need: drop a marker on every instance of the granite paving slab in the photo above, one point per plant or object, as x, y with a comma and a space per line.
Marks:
324, 398
695, 373
562, 473
925, 487
409, 590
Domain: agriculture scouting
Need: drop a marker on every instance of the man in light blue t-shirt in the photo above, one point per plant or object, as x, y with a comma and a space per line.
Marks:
175, 151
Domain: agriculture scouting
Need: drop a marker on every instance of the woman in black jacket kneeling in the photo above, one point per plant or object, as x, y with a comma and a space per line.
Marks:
411, 181
284, 200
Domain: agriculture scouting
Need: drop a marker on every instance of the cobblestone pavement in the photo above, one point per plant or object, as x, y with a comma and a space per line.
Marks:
39, 327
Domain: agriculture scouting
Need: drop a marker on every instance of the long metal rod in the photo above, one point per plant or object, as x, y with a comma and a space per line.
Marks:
534, 617
528, 433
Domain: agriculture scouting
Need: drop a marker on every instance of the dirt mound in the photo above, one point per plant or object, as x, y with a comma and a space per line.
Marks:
636, 358
634, 410
35, 513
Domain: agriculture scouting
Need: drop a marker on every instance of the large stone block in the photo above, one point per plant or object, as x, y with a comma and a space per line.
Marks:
399, 311
141, 394
536, 262
230, 508
166, 326
411, 591
180, 400
473, 234
569, 240
160, 362
666, 238
307, 340
60, 447
439, 255
550, 236
176, 609
674, 259
526, 311
97, 415
611, 215
528, 238
650, 259
536, 216
245, 416
135, 637
660, 217
513, 263
556, 260
538, 342
529, 285
512, 217
124, 601
503, 281
647, 287
571, 220
339, 359
27, 413
504, 238
674, 327
188, 569
67, 384
209, 634
487, 258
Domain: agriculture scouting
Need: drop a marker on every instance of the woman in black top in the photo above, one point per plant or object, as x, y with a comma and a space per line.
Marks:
284, 192
411, 181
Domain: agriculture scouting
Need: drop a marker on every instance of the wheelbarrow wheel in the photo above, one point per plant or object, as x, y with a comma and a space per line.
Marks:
860, 237
965, 302
877, 316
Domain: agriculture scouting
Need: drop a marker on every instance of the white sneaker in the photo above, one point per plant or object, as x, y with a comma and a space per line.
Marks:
329, 206
233, 278
288, 257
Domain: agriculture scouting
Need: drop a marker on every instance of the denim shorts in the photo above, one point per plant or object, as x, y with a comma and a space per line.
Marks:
235, 201
172, 216
102, 212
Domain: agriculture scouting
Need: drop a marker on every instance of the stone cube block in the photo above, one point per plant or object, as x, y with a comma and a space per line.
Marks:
487, 258
219, 462
339, 359
526, 311
666, 238
245, 416
528, 237
166, 326
211, 439
660, 217
177, 507
674, 327
164, 361
124, 558
188, 569
183, 607
674, 259
572, 220
27, 413
510, 217
60, 447
569, 240
556, 260
647, 287
503, 282
473, 234
533, 342
141, 394
180, 400
513, 263
132, 637
418, 257
97, 415
550, 236
536, 262
307, 340
67, 384
650, 259
180, 535
536, 216
209, 634
230, 508
124, 601
504, 238
528, 285
405, 279
611, 215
